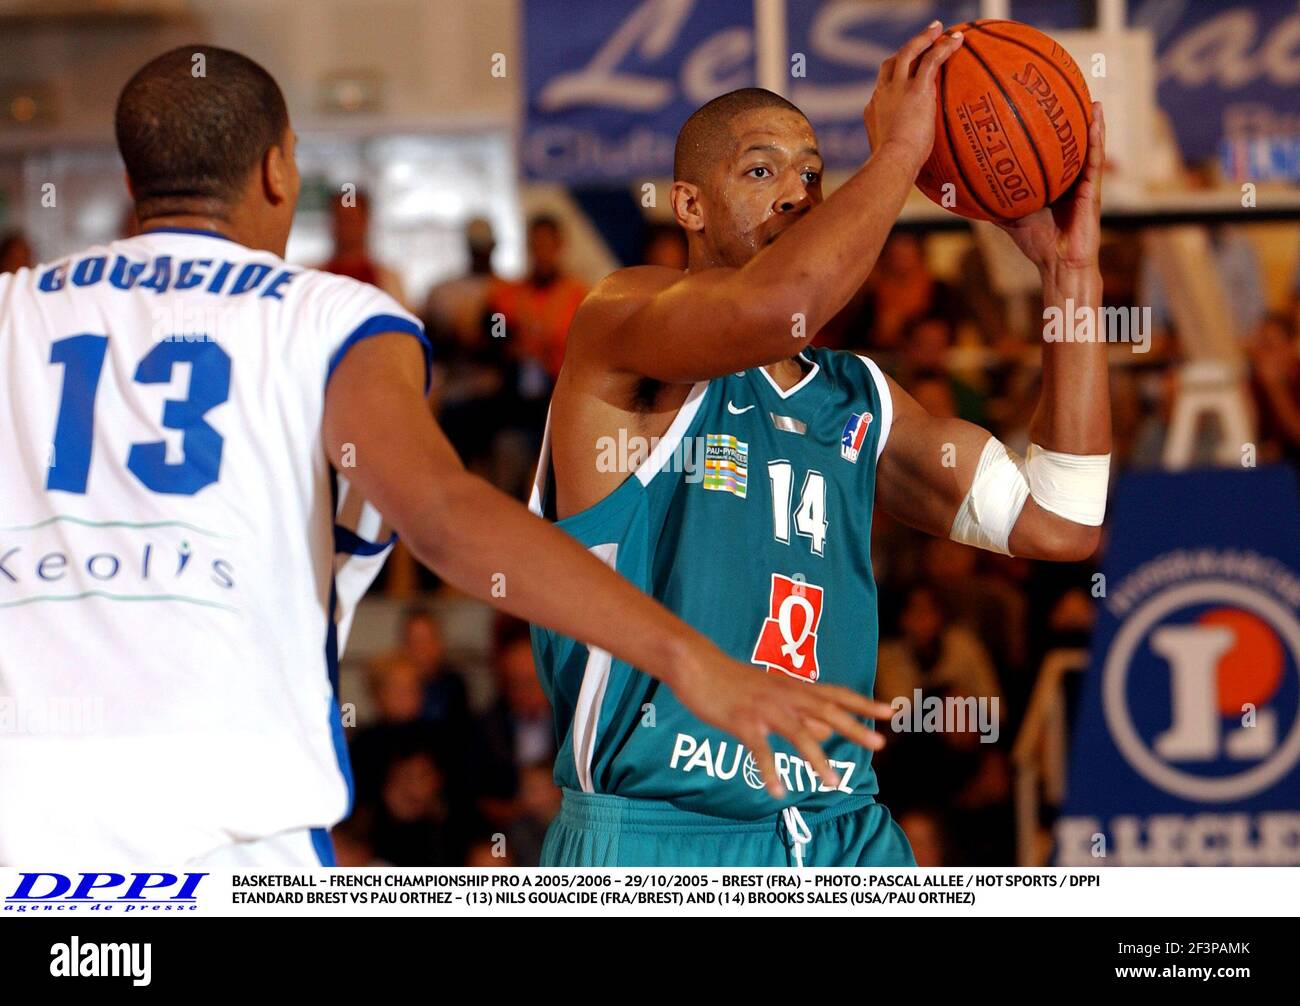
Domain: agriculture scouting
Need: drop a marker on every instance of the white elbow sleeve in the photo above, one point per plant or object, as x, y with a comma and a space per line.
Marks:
996, 497
1072, 486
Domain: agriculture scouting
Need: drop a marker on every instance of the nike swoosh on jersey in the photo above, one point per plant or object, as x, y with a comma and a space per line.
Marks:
735, 411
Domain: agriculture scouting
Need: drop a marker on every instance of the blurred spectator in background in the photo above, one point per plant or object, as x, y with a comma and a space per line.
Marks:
995, 612
537, 804
537, 311
350, 227
15, 252
1275, 361
416, 824
933, 653
490, 850
951, 766
515, 744
925, 346
539, 308
397, 692
933, 391
352, 843
984, 305
902, 289
469, 368
665, 245
445, 701
925, 833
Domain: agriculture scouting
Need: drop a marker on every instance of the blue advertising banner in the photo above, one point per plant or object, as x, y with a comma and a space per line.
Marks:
609, 82
1186, 746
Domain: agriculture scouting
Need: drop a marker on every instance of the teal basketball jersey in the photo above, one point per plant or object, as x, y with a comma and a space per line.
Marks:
751, 520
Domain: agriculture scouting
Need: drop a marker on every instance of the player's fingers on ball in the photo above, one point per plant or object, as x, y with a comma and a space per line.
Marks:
1096, 139
913, 47
929, 65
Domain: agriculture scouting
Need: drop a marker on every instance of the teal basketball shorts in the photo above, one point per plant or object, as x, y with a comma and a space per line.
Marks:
595, 829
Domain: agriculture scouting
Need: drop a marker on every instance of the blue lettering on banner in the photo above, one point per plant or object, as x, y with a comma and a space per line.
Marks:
610, 83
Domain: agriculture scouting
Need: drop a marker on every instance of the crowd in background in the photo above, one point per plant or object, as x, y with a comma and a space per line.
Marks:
441, 780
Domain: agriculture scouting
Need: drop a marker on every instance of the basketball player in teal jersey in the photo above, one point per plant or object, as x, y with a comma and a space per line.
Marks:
764, 546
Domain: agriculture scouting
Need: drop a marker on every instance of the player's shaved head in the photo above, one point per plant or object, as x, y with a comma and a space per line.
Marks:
190, 131
706, 138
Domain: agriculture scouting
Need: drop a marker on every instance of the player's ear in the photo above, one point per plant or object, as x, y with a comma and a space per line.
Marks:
273, 175
686, 205
279, 173
129, 187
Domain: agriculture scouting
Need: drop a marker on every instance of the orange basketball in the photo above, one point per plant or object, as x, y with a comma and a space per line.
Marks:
1012, 127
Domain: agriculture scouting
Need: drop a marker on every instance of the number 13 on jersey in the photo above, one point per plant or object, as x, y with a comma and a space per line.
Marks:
82, 359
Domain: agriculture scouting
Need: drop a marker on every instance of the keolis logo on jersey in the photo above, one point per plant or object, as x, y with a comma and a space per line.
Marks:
67, 559
788, 639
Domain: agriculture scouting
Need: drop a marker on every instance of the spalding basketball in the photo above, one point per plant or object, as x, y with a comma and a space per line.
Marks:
1012, 127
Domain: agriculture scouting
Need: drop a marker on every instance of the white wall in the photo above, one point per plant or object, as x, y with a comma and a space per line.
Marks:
432, 56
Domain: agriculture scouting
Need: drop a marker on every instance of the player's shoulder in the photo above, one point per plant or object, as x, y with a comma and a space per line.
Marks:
326, 285
858, 375
846, 365
342, 296
635, 281
618, 296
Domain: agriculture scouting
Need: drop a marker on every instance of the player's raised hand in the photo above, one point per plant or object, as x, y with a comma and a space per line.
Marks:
903, 106
1068, 233
752, 705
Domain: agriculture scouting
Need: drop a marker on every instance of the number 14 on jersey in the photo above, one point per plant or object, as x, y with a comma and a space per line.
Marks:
809, 516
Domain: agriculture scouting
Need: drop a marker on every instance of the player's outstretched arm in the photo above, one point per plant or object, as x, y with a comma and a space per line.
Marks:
951, 478
489, 546
655, 323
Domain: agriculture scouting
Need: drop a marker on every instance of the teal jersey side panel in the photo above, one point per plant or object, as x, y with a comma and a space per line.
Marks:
596, 700
763, 544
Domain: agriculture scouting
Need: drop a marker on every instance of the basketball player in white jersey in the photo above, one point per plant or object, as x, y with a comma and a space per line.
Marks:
188, 428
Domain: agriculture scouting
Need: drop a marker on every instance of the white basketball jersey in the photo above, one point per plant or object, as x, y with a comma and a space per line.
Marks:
172, 601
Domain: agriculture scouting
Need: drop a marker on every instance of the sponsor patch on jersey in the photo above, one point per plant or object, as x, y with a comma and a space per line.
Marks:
788, 640
726, 464
854, 436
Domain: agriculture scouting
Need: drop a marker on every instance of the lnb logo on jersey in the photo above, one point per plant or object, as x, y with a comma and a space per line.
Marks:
132, 893
854, 436
1201, 690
